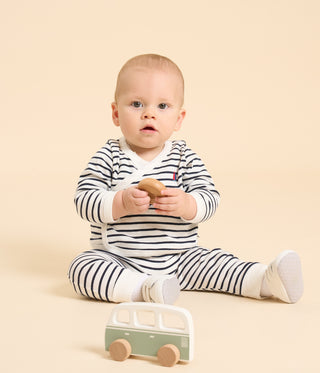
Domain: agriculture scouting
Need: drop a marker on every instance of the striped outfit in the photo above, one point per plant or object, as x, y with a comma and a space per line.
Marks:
125, 251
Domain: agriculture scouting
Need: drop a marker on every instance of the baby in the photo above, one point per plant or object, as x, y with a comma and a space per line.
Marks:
149, 252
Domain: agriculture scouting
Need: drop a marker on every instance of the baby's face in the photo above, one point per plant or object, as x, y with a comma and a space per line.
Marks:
148, 108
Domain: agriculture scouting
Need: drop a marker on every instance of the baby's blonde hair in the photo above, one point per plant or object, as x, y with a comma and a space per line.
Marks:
150, 61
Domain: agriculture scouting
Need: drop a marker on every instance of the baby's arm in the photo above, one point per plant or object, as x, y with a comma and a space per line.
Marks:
94, 199
94, 195
196, 197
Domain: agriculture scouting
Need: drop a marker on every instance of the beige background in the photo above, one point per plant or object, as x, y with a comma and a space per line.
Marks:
252, 100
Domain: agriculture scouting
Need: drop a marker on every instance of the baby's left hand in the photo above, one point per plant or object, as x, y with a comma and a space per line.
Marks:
176, 202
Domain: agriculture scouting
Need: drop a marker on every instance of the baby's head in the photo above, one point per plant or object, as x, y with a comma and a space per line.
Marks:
149, 62
148, 102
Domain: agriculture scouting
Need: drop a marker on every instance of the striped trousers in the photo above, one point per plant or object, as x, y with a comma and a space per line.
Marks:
101, 275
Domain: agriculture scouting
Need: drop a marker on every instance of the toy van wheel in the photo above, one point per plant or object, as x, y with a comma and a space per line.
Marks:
168, 355
120, 350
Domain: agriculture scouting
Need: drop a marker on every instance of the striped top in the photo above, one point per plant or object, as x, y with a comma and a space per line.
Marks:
115, 167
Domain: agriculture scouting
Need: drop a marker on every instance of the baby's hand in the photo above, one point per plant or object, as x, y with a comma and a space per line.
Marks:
130, 201
135, 201
175, 202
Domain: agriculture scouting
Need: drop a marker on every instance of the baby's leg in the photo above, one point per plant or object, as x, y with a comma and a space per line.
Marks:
100, 275
201, 269
217, 270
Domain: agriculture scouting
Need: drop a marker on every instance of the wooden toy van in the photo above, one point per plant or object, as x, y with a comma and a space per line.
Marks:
150, 329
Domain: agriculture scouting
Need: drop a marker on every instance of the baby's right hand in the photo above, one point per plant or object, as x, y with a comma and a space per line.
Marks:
135, 201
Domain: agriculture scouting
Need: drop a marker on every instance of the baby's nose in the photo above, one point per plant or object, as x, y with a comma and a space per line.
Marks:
148, 116
149, 113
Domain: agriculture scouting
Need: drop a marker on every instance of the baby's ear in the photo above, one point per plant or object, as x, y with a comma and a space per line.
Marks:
115, 114
180, 119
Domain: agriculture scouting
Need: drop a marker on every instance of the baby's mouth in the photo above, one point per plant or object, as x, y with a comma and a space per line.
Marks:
148, 128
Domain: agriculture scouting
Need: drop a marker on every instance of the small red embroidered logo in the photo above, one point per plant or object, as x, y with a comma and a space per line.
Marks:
174, 176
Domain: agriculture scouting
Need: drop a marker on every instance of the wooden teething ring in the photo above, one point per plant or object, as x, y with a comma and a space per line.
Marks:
152, 186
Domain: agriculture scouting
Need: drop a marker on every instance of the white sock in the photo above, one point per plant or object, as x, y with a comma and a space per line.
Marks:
137, 292
128, 286
265, 291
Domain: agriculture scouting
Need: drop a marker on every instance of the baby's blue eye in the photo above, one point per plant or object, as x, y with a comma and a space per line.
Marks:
136, 104
163, 106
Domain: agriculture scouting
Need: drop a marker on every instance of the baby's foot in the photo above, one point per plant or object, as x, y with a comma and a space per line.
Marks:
283, 277
161, 289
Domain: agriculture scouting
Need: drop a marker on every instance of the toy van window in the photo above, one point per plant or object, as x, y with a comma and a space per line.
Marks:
123, 316
146, 318
172, 321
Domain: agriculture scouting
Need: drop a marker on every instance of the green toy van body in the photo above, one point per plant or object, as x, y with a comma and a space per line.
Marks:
145, 339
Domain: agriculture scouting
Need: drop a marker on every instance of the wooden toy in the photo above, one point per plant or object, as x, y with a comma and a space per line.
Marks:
134, 336
152, 186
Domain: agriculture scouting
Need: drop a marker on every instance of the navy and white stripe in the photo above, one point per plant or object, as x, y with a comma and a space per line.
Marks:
216, 270
147, 234
95, 273
127, 250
